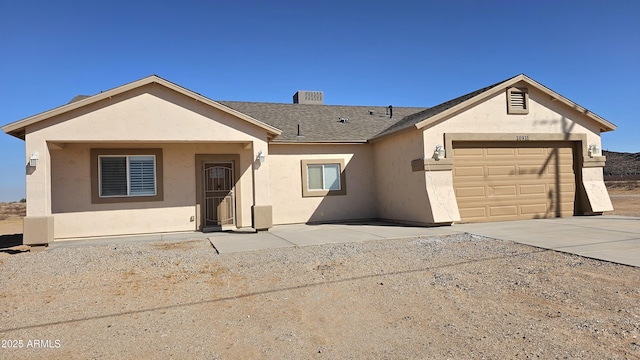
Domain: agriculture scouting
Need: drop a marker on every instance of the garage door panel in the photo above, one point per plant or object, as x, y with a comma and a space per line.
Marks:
531, 151
469, 171
471, 152
504, 190
534, 209
501, 151
474, 213
503, 211
565, 188
531, 170
533, 189
494, 170
469, 192
517, 181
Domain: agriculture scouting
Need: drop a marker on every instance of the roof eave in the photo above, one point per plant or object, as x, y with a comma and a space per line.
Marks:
20, 125
604, 124
395, 132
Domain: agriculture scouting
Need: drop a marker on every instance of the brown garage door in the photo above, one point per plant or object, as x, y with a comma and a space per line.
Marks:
497, 181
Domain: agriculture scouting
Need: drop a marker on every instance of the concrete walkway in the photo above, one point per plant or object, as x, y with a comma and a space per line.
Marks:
611, 238
305, 235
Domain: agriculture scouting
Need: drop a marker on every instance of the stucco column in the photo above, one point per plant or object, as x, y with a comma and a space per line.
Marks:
261, 211
38, 224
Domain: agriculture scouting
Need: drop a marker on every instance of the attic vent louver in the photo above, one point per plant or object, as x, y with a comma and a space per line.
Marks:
517, 101
308, 97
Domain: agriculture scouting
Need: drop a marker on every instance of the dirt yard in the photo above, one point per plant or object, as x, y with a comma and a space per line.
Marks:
443, 297
11, 215
625, 196
459, 296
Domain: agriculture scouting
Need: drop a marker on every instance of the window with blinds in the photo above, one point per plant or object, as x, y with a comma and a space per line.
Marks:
128, 175
517, 101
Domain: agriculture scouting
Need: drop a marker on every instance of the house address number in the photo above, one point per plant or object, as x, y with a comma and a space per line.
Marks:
522, 137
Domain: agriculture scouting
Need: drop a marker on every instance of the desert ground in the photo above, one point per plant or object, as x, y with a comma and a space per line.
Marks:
625, 196
459, 296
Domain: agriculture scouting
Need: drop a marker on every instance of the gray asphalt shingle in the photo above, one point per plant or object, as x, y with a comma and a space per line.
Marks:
321, 123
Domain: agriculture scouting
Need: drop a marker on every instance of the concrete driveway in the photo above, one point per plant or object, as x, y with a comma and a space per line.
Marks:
610, 238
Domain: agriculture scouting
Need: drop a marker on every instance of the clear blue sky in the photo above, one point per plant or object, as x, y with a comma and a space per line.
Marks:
403, 53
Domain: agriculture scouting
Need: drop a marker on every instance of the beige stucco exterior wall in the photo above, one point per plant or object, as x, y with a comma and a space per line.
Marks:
545, 117
401, 192
593, 181
75, 215
490, 116
289, 206
153, 117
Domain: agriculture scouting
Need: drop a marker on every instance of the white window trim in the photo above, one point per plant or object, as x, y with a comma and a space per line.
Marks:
155, 176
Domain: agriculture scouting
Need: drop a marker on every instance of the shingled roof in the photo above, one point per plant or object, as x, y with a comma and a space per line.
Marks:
417, 117
318, 123
322, 123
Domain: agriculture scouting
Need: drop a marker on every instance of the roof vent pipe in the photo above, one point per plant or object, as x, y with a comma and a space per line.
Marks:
299, 136
390, 108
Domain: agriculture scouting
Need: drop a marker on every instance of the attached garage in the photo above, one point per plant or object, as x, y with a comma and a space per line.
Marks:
495, 181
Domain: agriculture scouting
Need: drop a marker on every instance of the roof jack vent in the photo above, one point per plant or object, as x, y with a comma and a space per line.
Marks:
390, 111
343, 120
299, 136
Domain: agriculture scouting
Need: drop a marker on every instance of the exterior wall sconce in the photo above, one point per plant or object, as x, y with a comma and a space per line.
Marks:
594, 150
33, 160
439, 153
262, 157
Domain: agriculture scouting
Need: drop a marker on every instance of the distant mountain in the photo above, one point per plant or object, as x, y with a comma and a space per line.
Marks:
621, 165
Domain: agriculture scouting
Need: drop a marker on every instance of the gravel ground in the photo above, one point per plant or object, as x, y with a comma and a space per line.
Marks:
460, 296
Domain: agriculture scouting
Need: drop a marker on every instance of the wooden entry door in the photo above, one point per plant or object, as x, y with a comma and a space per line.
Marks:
219, 203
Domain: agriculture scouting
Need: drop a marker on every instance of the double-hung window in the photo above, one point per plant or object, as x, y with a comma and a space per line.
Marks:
125, 175
323, 177
128, 175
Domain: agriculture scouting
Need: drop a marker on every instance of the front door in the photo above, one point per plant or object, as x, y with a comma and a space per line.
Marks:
219, 204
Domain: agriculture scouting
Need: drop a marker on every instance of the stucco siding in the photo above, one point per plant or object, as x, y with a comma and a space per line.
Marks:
76, 216
289, 205
490, 116
547, 120
152, 113
401, 193
123, 222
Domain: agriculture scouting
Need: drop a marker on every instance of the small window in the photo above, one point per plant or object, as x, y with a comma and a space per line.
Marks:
121, 175
127, 175
323, 177
517, 101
